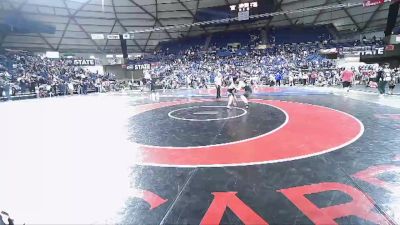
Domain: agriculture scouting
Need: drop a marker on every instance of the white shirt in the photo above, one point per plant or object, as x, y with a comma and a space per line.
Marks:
232, 85
241, 84
218, 80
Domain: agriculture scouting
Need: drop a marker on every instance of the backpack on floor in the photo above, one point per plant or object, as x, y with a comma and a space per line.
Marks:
373, 84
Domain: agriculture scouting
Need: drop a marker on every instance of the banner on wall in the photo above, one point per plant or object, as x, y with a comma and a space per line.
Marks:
243, 15
375, 51
391, 54
328, 51
139, 67
127, 36
52, 55
84, 62
113, 37
368, 3
361, 50
97, 36
389, 48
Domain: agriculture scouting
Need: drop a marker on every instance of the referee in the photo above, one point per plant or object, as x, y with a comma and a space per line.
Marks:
218, 84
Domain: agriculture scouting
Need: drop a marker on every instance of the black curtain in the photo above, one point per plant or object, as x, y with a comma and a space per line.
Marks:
392, 17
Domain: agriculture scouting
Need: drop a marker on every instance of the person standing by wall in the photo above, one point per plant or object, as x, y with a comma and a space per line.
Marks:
70, 86
387, 73
380, 81
272, 80
313, 77
383, 77
218, 84
291, 79
98, 85
392, 84
347, 78
85, 86
304, 78
278, 78
1, 86
5, 83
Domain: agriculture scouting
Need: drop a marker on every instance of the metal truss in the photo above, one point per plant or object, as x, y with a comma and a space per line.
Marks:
193, 15
319, 13
260, 16
72, 18
371, 18
121, 25
351, 17
18, 9
172, 31
148, 38
157, 21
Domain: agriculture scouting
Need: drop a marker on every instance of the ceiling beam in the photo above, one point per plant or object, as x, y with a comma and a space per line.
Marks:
32, 4
194, 18
53, 8
192, 14
72, 18
123, 27
97, 17
319, 13
101, 18
350, 16
18, 9
371, 18
63, 33
46, 41
150, 14
277, 6
331, 20
154, 25
381, 22
21, 5
35, 43
87, 34
112, 30
75, 38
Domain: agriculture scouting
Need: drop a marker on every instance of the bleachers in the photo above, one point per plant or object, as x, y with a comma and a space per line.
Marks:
181, 45
217, 40
221, 40
298, 34
344, 44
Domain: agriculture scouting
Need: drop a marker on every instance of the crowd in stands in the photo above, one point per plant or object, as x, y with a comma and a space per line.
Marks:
189, 64
278, 64
23, 73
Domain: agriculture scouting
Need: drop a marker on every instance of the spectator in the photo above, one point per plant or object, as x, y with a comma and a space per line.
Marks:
383, 77
5, 84
44, 77
392, 84
278, 78
192, 68
6, 217
347, 78
218, 84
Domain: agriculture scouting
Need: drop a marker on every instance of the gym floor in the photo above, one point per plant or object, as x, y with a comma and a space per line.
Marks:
296, 156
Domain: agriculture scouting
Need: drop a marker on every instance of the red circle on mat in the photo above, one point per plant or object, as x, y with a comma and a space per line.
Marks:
310, 130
